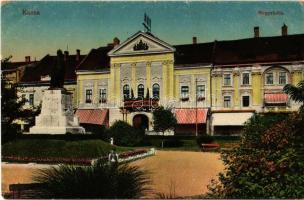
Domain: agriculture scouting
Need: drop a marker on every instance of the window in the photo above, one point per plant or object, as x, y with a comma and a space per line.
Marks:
126, 91
200, 92
185, 93
245, 78
23, 97
155, 90
31, 99
246, 101
103, 95
269, 78
227, 79
140, 91
227, 101
88, 96
282, 78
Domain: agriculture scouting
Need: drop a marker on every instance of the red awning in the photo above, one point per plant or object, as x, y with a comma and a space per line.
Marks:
189, 115
276, 98
93, 116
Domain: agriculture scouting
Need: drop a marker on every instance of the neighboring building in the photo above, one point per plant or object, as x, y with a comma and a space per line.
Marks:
36, 78
13, 71
249, 75
218, 85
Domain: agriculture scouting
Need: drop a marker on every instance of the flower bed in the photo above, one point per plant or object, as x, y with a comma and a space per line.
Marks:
123, 157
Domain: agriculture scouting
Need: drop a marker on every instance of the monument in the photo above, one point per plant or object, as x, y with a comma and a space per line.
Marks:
57, 116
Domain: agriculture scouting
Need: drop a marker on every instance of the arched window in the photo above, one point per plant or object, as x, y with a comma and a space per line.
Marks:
155, 90
126, 91
140, 91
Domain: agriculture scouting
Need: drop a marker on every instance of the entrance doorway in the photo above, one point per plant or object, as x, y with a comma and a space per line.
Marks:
141, 122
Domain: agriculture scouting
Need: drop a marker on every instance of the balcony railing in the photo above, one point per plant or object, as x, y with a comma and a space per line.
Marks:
140, 104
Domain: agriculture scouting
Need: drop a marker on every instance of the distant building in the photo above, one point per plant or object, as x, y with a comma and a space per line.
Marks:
14, 71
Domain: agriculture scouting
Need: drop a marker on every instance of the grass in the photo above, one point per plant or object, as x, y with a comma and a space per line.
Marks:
58, 148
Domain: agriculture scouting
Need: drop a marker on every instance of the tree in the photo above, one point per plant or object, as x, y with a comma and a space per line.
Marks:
100, 181
125, 135
12, 108
269, 163
296, 93
163, 120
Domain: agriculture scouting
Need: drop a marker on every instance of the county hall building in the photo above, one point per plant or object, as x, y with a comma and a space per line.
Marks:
217, 86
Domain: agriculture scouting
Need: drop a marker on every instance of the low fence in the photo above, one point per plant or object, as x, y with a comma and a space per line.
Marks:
122, 157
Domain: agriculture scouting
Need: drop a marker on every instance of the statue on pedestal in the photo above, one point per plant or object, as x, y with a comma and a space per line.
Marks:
58, 72
57, 116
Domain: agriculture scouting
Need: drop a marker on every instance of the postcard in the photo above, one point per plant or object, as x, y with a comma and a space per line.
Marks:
152, 99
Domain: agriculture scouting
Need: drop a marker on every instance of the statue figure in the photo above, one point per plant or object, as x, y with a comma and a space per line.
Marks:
58, 72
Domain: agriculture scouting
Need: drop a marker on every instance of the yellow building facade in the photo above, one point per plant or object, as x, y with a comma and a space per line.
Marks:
201, 85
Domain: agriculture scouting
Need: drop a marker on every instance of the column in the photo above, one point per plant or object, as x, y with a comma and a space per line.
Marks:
236, 96
148, 77
133, 78
257, 96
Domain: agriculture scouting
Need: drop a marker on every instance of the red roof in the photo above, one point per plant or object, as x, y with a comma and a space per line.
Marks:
276, 98
189, 115
93, 116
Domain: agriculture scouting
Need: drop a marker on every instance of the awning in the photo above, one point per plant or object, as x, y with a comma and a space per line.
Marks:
230, 119
93, 116
276, 98
189, 115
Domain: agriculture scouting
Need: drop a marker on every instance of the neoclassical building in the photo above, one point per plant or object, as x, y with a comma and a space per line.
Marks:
212, 88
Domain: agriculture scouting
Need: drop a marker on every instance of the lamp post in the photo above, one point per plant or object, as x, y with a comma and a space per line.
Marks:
196, 127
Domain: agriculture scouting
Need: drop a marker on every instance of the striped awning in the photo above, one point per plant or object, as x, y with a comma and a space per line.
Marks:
276, 98
190, 115
93, 116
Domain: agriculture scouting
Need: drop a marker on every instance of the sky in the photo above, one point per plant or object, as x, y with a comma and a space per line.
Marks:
85, 25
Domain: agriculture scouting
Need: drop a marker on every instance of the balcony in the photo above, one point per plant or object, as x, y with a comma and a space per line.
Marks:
140, 104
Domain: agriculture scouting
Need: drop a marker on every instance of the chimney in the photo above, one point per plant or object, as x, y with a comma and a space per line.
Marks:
27, 58
77, 55
284, 30
116, 41
256, 30
194, 40
66, 55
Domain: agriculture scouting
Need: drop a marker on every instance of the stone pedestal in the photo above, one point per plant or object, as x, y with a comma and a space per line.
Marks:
56, 115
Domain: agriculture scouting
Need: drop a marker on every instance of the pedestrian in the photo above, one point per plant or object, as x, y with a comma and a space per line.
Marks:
113, 157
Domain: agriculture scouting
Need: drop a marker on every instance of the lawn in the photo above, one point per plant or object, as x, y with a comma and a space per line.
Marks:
58, 148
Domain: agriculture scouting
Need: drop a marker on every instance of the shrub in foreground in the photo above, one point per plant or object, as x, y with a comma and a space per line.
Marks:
101, 180
268, 163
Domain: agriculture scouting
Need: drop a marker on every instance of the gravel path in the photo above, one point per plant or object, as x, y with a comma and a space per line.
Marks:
180, 173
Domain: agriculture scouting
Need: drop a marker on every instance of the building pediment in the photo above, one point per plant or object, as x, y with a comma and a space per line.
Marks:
141, 43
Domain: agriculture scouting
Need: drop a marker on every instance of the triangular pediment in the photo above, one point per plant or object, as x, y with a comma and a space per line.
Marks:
141, 43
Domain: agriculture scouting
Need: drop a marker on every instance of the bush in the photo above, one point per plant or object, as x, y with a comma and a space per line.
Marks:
268, 163
125, 135
97, 130
204, 139
101, 180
